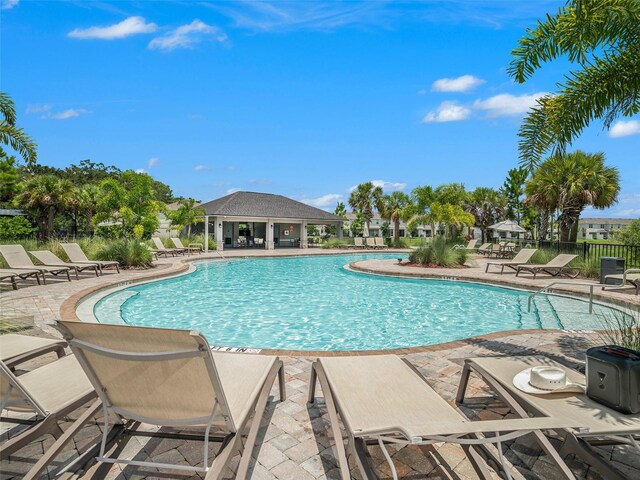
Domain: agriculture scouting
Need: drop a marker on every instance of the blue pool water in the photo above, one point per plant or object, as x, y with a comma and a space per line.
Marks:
314, 303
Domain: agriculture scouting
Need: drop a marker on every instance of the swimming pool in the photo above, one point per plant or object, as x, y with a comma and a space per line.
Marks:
314, 303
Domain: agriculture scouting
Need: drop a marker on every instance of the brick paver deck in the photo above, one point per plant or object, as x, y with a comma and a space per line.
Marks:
294, 440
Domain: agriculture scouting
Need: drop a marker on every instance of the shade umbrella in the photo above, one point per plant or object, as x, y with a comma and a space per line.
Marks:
508, 226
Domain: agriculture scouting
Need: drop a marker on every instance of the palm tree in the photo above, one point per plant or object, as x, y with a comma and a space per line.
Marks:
602, 37
44, 196
571, 182
188, 214
364, 199
13, 136
487, 207
439, 213
394, 208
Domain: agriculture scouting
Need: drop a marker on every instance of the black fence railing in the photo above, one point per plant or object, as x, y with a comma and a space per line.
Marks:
590, 251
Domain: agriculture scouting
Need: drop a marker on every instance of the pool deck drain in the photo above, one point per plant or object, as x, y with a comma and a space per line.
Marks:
294, 440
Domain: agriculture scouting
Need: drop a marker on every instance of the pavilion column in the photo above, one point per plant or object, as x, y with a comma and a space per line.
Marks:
340, 231
269, 244
206, 233
219, 233
303, 234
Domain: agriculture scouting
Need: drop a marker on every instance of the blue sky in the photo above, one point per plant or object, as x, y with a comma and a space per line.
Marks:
304, 99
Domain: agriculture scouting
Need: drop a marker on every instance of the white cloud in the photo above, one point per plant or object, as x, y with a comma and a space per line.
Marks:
506, 104
201, 168
465, 83
628, 212
186, 36
624, 129
260, 181
38, 108
7, 4
233, 190
129, 26
141, 170
447, 112
66, 114
153, 162
386, 186
323, 201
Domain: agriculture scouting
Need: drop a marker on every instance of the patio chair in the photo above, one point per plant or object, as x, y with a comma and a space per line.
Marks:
48, 258
162, 250
18, 259
380, 243
384, 399
556, 266
50, 392
16, 349
13, 274
591, 420
485, 248
522, 257
469, 246
171, 378
358, 242
76, 255
631, 276
370, 242
191, 248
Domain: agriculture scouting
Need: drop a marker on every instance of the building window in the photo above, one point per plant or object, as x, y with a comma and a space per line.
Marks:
602, 226
591, 225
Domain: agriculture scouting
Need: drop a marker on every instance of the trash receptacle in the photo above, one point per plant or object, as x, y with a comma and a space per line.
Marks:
611, 266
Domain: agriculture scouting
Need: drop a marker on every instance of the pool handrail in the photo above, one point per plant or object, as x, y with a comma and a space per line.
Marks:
546, 288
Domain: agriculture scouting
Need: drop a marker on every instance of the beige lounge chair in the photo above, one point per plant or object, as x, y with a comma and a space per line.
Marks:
631, 276
382, 398
370, 242
358, 242
16, 349
521, 258
191, 248
556, 266
171, 378
470, 246
591, 420
48, 258
162, 250
50, 392
12, 275
485, 248
380, 243
76, 255
18, 258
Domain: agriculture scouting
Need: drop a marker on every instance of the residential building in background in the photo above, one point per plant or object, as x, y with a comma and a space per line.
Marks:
600, 228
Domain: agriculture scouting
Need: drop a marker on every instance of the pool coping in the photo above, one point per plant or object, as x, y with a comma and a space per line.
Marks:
68, 309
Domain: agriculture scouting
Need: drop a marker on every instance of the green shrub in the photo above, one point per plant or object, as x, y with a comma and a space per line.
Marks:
16, 227
438, 253
336, 243
619, 328
589, 268
128, 253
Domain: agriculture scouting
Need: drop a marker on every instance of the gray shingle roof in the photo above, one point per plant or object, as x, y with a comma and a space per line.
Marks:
251, 204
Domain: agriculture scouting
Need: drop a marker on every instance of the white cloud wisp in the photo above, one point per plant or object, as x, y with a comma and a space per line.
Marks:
465, 83
187, 36
127, 27
625, 128
447, 112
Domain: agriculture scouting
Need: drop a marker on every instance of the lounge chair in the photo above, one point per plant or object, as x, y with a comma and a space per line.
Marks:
485, 248
191, 248
12, 275
16, 349
631, 276
76, 255
591, 419
358, 242
171, 378
162, 250
370, 242
51, 392
556, 266
470, 246
521, 258
382, 398
48, 258
18, 259
380, 243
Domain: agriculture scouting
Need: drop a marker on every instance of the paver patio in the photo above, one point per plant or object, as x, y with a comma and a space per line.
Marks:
294, 441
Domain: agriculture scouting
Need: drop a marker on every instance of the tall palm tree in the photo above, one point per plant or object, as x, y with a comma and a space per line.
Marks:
394, 208
44, 196
487, 207
13, 136
188, 214
600, 37
364, 199
571, 182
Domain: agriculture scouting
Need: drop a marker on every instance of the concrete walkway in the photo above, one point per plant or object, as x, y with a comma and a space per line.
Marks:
294, 441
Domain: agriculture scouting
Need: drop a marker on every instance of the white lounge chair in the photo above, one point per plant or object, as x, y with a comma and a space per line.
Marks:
18, 259
384, 399
171, 378
591, 420
162, 250
48, 258
370, 242
191, 248
76, 255
358, 242
380, 243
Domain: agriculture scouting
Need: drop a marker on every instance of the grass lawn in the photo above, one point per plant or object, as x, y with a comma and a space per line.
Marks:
12, 327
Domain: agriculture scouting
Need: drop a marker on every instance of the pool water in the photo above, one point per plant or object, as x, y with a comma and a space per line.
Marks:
314, 303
